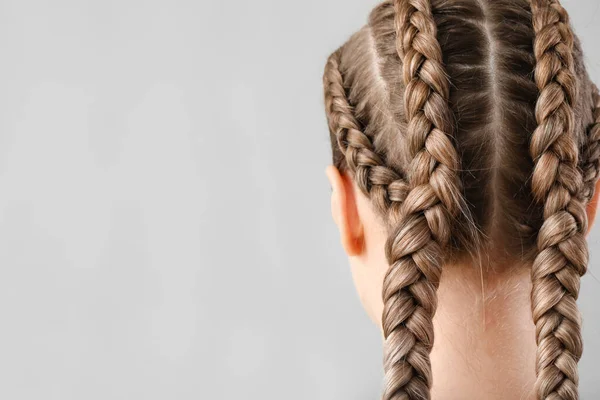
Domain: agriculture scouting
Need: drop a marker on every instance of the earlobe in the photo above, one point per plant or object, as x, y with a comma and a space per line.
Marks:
344, 211
592, 207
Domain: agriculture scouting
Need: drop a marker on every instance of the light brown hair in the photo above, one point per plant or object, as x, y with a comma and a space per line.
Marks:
475, 130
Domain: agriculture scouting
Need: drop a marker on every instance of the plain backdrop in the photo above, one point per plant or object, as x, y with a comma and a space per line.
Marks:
165, 229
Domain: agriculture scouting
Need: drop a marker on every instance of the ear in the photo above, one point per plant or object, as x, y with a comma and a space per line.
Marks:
592, 207
345, 212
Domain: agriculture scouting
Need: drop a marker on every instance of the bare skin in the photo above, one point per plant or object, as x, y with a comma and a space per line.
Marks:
484, 333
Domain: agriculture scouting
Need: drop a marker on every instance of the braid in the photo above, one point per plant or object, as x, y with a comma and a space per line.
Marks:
562, 250
385, 186
415, 249
590, 162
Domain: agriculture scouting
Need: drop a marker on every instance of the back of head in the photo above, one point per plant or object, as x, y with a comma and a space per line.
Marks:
473, 127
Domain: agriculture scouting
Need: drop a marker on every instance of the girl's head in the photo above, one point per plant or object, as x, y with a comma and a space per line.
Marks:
473, 129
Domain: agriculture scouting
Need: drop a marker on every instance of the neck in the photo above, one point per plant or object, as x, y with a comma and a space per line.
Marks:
484, 335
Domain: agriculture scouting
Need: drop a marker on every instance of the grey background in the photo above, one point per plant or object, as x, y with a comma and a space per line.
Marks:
164, 217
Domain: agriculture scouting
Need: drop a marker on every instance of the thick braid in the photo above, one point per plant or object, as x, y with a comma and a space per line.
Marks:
590, 160
415, 249
382, 184
557, 182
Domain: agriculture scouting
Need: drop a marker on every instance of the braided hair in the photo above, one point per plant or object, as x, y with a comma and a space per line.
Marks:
590, 160
435, 112
556, 183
